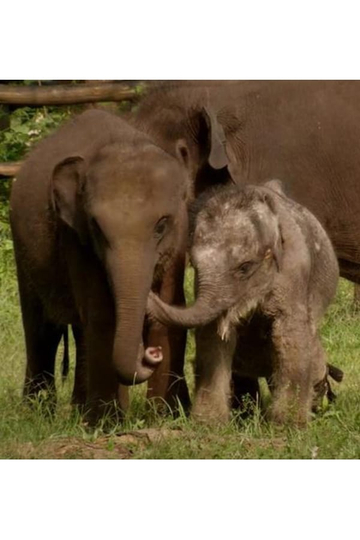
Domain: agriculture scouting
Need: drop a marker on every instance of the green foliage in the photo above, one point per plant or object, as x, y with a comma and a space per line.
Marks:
140, 89
28, 126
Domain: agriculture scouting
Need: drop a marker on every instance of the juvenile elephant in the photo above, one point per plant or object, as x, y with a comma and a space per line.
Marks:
266, 272
98, 217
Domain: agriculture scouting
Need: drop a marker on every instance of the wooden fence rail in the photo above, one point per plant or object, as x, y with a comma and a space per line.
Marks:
37, 96
61, 94
9, 169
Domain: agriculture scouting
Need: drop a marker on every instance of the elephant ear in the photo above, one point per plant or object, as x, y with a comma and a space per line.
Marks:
214, 134
210, 142
268, 196
67, 181
218, 158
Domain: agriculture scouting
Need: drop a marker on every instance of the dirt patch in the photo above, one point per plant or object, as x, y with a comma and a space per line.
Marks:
68, 448
121, 446
137, 443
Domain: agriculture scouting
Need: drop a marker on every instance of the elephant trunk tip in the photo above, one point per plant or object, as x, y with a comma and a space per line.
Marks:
145, 367
153, 356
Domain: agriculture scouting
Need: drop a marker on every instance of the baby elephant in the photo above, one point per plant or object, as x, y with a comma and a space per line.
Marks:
265, 274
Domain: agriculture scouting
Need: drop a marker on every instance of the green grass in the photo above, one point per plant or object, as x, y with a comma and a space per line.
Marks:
28, 432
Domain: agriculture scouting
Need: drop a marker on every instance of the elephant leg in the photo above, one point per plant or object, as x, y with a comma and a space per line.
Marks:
96, 390
244, 388
214, 358
292, 378
42, 338
168, 382
102, 386
79, 392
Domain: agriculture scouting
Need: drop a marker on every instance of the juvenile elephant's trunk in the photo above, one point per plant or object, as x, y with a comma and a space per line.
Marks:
206, 308
131, 276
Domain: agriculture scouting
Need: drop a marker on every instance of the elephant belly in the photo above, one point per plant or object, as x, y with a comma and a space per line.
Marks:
253, 354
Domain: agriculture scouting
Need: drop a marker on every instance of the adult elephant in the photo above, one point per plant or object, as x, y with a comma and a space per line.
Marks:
98, 217
305, 133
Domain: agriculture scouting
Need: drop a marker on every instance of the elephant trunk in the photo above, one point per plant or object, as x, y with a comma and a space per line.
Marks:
206, 308
131, 278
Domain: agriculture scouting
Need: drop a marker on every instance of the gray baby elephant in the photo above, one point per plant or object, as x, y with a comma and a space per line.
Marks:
265, 274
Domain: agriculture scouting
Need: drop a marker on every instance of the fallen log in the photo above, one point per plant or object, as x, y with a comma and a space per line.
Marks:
66, 94
10, 169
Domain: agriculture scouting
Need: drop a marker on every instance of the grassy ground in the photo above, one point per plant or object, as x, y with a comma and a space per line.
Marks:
28, 433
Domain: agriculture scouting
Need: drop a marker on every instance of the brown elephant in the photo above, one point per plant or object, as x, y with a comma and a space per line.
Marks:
98, 216
303, 132
266, 272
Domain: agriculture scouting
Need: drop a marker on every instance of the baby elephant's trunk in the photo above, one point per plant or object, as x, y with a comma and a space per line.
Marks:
205, 309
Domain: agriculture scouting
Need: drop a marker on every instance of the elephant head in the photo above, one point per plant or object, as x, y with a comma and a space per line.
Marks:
236, 249
169, 117
127, 204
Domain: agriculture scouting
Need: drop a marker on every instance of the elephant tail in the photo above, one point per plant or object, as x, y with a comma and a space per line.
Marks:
65, 361
335, 373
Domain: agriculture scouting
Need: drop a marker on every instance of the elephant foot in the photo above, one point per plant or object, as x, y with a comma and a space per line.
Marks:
210, 408
296, 414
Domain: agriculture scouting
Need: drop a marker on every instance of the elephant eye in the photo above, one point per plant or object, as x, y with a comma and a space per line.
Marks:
245, 267
161, 226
